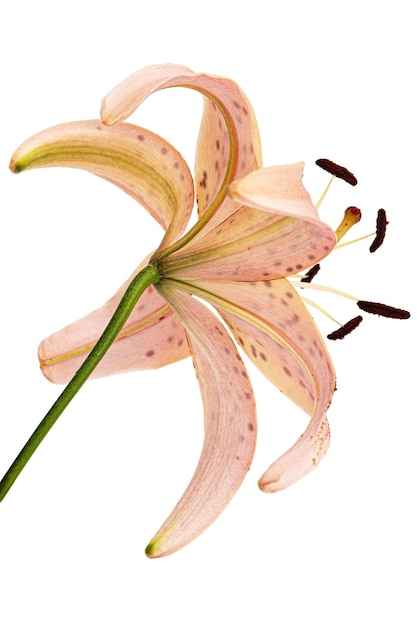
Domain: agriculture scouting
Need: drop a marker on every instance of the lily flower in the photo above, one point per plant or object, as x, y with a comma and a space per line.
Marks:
256, 227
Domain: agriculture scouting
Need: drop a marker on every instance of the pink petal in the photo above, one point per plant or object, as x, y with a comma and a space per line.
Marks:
229, 144
301, 458
152, 172
230, 426
280, 237
274, 328
212, 155
151, 338
277, 189
142, 164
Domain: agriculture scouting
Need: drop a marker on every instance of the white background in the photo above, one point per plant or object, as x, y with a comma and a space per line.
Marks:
326, 79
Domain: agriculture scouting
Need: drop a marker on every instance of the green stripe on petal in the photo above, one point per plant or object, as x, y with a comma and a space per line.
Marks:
228, 135
141, 163
276, 331
229, 422
151, 338
278, 238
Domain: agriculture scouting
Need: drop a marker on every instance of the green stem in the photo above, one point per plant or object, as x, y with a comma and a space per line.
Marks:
148, 276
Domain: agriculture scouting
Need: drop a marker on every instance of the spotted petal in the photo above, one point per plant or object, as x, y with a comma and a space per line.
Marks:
277, 233
229, 144
274, 328
151, 338
151, 171
229, 421
141, 163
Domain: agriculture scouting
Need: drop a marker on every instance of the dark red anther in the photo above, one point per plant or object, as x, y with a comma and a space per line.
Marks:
311, 273
383, 309
337, 170
347, 328
381, 227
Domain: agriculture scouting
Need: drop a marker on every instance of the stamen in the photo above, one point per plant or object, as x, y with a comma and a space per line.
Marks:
352, 216
381, 227
348, 243
347, 328
324, 288
323, 195
316, 306
383, 309
311, 273
337, 170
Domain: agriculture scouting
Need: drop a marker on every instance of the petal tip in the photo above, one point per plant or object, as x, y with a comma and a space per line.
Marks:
106, 114
158, 548
16, 166
150, 550
268, 486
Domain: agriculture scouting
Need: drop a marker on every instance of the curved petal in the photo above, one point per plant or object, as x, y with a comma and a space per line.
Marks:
151, 338
280, 237
277, 189
141, 163
213, 149
229, 420
301, 458
274, 328
229, 144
